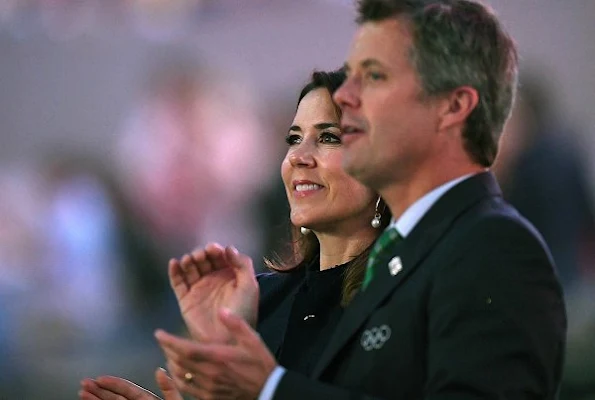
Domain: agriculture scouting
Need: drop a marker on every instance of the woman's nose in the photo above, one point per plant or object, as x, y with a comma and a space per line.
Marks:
302, 158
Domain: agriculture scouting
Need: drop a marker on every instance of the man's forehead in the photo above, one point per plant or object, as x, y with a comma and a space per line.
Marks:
379, 40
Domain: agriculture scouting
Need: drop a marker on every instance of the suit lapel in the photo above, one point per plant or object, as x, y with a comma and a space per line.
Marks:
430, 229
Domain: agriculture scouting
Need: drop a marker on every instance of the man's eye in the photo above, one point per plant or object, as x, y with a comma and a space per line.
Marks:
375, 76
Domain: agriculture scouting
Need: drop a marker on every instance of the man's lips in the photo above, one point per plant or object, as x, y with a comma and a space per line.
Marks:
351, 132
351, 126
351, 129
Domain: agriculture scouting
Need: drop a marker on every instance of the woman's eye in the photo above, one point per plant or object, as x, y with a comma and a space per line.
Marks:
293, 139
329, 138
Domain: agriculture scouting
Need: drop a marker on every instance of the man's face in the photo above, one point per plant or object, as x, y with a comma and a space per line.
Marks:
389, 130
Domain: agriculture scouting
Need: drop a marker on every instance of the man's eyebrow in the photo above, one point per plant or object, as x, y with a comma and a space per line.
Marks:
295, 128
370, 62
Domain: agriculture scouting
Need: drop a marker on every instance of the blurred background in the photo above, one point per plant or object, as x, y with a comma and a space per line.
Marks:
132, 131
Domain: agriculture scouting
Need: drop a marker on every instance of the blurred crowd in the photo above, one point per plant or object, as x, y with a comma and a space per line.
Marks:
542, 169
153, 19
84, 242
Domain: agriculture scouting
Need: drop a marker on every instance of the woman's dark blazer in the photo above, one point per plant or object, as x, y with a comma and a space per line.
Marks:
298, 313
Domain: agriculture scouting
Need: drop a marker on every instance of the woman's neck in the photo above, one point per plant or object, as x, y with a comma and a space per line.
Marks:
337, 249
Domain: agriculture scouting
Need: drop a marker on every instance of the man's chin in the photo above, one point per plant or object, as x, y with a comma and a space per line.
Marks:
353, 167
362, 172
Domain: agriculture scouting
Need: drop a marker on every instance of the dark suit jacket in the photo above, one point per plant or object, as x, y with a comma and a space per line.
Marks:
475, 313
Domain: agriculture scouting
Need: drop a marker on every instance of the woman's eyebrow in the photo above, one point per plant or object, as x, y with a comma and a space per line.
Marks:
326, 125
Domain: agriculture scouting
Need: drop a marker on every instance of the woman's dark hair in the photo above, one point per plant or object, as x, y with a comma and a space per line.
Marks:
330, 81
305, 248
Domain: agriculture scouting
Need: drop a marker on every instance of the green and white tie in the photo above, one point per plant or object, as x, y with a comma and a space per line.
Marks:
389, 237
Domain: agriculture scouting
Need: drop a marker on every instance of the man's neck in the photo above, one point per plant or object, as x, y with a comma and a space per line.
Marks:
401, 195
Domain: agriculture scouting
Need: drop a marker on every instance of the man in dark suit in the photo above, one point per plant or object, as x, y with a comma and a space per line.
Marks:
460, 300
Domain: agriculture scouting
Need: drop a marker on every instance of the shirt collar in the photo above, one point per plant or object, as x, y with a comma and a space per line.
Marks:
420, 207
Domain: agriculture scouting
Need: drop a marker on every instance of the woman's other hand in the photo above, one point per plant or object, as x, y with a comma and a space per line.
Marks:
208, 280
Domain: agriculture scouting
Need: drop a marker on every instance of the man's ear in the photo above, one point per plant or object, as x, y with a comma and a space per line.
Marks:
457, 105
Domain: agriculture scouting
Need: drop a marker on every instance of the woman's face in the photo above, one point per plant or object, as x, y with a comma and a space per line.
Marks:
321, 195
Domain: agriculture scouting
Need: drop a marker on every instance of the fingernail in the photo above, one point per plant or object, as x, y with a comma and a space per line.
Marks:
234, 250
225, 311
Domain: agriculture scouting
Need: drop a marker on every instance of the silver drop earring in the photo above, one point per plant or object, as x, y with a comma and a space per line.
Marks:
377, 216
304, 230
